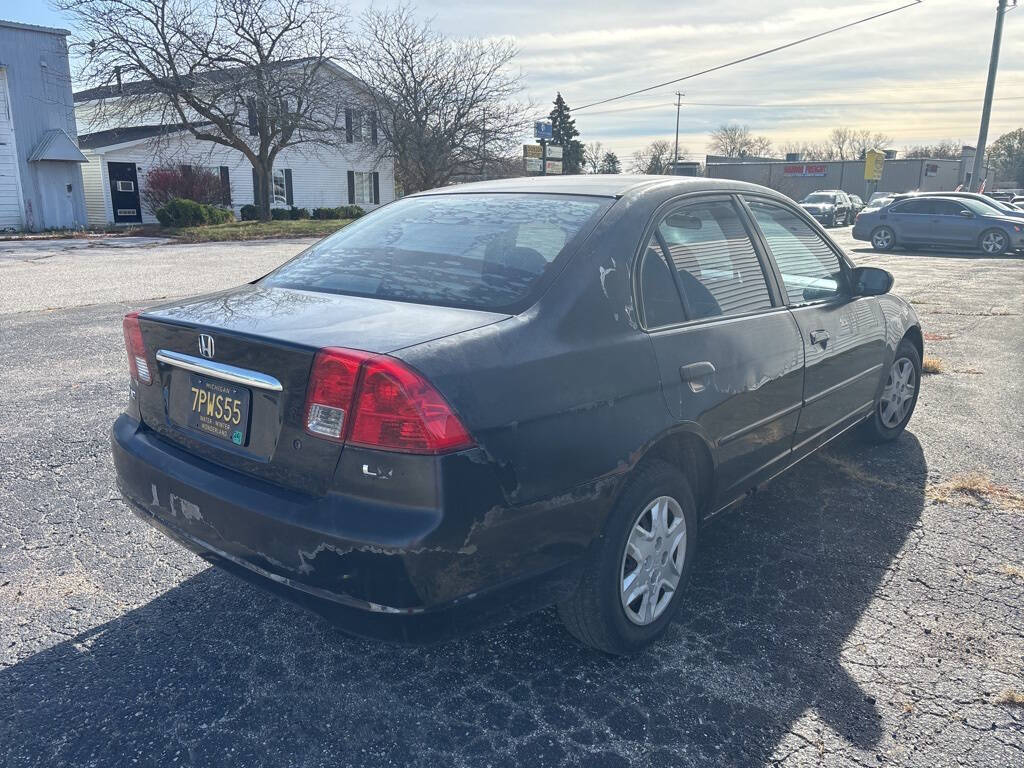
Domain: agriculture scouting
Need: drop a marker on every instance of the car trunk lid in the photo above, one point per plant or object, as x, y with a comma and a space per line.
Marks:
232, 369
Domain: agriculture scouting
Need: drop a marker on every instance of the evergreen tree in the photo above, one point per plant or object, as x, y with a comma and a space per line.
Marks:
564, 133
610, 163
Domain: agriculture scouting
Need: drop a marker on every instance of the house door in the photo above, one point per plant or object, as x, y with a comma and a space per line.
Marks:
124, 193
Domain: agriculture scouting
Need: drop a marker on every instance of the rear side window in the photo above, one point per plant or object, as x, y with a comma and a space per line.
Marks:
480, 251
810, 268
920, 206
718, 270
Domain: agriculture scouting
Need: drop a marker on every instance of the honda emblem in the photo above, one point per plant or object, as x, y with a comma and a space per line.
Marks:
205, 345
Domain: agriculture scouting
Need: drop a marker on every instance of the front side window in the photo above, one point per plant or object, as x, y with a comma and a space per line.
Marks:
280, 187
922, 207
481, 251
810, 269
716, 267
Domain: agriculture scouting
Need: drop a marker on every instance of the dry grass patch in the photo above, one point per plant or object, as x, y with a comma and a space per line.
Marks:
1013, 571
937, 336
1011, 697
977, 486
854, 471
931, 364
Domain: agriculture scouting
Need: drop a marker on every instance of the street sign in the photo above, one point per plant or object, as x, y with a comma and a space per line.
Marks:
542, 131
533, 164
553, 166
533, 150
873, 162
554, 152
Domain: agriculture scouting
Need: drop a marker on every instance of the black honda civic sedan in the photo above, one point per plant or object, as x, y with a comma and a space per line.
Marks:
486, 399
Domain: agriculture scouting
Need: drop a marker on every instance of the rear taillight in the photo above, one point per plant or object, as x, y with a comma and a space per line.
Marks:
378, 402
138, 363
332, 386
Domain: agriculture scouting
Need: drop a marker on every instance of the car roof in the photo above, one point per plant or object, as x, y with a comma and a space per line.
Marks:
604, 185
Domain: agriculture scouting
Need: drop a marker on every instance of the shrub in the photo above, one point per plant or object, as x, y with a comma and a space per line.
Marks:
183, 182
189, 213
351, 211
280, 214
326, 213
250, 212
300, 213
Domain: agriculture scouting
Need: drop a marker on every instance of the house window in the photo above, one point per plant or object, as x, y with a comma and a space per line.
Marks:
364, 187
280, 187
357, 126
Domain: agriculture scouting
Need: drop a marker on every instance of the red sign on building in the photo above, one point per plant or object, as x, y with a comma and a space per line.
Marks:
805, 169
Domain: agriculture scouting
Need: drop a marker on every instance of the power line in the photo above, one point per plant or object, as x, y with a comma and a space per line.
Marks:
750, 57
821, 105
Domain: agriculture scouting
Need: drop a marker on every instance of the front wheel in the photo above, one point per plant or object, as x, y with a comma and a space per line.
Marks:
994, 242
635, 578
883, 239
895, 404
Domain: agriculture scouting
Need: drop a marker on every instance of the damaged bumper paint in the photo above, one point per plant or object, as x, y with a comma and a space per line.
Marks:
443, 557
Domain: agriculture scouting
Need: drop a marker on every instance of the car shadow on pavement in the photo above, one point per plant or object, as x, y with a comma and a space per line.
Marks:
215, 672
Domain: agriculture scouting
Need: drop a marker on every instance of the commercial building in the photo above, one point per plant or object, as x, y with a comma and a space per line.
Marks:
40, 180
798, 178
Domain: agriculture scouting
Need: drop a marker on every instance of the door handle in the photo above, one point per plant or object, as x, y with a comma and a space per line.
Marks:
695, 374
820, 337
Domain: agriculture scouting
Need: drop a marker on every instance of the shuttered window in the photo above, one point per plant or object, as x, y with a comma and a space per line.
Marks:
718, 268
810, 268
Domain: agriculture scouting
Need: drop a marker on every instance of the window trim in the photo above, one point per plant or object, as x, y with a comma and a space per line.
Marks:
768, 270
844, 262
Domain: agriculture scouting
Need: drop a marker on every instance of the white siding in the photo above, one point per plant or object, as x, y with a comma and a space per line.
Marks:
319, 178
94, 183
10, 183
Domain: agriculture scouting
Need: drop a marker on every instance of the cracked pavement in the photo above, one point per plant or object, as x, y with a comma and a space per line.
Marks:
845, 616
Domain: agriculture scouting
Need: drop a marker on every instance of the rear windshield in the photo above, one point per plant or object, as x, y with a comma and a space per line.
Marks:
481, 251
819, 197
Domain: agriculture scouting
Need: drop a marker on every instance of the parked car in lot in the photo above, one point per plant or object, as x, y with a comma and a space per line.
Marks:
999, 206
924, 220
829, 206
484, 399
856, 206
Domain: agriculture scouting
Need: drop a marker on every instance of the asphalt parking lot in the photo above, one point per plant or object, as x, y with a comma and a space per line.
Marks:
865, 609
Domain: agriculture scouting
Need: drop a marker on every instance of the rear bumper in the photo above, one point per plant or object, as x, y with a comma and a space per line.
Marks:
396, 572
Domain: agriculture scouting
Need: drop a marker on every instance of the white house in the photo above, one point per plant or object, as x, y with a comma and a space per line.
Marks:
40, 184
305, 176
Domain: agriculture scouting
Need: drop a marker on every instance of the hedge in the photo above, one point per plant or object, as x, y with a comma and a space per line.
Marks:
188, 213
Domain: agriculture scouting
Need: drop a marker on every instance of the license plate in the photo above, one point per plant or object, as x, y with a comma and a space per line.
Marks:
219, 409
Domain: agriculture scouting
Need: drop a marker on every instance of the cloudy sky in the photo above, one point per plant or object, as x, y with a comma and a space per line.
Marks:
917, 75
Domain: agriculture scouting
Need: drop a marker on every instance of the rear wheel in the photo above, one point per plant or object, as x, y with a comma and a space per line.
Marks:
895, 404
883, 239
635, 579
994, 242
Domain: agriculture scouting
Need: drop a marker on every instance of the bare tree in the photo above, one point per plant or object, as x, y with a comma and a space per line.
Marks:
445, 107
655, 158
738, 141
592, 155
947, 149
841, 144
863, 140
252, 75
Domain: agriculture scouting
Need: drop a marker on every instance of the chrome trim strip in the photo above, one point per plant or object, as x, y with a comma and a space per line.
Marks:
230, 373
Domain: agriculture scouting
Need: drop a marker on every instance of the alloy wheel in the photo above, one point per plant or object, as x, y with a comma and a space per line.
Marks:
882, 239
898, 394
652, 564
993, 242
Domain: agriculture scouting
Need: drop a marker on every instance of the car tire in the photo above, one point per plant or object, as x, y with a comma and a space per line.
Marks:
883, 239
895, 403
994, 242
596, 613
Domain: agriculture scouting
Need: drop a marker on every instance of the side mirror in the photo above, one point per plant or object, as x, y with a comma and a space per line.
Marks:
871, 281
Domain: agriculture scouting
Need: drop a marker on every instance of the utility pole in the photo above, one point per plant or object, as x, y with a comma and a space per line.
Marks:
675, 154
986, 110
